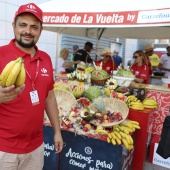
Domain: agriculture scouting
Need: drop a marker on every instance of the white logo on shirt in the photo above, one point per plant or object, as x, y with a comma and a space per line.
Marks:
44, 71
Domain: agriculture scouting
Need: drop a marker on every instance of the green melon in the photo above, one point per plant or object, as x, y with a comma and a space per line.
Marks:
93, 92
99, 74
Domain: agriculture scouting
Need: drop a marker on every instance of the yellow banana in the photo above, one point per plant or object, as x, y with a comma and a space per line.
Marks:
109, 135
124, 129
127, 124
131, 139
6, 71
131, 147
151, 106
113, 135
137, 107
136, 126
117, 135
128, 129
125, 143
100, 131
21, 76
13, 74
118, 141
134, 122
122, 134
113, 141
108, 140
127, 139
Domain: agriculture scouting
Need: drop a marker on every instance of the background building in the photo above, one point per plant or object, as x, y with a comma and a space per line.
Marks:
48, 40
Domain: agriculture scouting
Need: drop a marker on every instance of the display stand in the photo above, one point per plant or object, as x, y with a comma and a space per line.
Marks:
142, 136
84, 152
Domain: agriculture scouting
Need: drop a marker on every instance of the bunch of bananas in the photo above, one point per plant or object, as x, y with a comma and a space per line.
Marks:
13, 73
121, 134
89, 70
134, 103
150, 103
100, 130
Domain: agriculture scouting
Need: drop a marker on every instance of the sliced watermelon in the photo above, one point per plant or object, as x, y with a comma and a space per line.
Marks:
83, 101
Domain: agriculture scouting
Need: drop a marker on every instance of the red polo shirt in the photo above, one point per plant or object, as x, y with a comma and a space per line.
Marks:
20, 122
141, 72
108, 66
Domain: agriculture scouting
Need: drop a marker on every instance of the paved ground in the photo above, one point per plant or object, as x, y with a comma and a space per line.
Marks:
149, 166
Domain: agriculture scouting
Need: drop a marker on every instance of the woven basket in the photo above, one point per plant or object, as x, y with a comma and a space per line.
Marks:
65, 99
100, 82
113, 105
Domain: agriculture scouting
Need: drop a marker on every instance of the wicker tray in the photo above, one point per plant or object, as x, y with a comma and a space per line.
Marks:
100, 82
65, 99
111, 104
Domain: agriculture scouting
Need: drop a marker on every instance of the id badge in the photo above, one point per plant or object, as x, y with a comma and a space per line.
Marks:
34, 97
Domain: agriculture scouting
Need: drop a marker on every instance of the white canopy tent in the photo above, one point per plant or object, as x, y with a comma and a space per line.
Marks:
137, 19
115, 18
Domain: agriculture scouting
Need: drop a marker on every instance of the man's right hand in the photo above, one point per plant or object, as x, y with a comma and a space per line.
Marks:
8, 94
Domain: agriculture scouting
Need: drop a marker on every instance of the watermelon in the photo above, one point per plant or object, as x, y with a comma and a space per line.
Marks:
99, 74
83, 101
93, 92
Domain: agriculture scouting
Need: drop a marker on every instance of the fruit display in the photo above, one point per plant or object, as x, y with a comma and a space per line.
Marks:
13, 73
93, 92
77, 91
101, 111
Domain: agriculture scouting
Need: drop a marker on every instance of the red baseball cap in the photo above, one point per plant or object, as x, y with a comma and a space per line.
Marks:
30, 8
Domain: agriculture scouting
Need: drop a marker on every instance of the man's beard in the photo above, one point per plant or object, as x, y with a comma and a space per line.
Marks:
25, 45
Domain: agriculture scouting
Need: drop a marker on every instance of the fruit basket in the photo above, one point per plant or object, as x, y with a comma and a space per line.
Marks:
100, 82
112, 105
100, 76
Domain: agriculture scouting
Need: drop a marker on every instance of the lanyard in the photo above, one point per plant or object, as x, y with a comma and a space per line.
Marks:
33, 81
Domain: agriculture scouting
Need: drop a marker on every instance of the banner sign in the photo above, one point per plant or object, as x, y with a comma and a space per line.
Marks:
108, 18
50, 157
82, 152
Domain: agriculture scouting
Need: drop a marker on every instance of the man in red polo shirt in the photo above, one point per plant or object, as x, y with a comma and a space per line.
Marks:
21, 119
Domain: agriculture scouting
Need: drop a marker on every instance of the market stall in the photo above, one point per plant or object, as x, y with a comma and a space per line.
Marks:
110, 110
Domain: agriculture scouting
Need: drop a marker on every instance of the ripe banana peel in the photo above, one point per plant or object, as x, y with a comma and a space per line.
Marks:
13, 73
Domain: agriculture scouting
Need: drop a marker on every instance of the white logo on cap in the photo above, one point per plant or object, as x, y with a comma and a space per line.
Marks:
31, 6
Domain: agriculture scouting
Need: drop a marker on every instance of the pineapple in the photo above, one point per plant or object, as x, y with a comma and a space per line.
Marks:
100, 106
